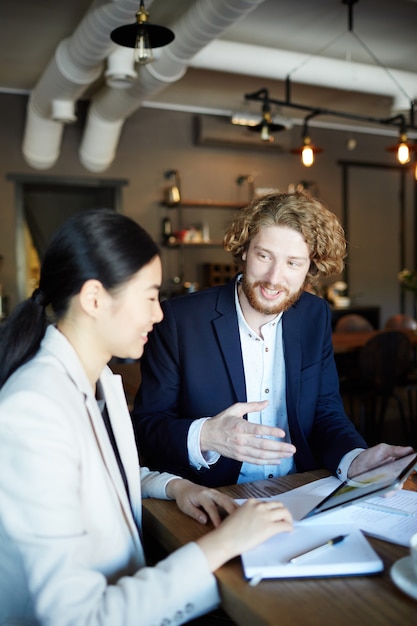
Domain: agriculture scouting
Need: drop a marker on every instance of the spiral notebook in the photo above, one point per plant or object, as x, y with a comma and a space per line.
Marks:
352, 556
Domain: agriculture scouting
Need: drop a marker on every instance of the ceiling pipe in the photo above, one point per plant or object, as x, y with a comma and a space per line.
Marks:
110, 108
262, 62
78, 61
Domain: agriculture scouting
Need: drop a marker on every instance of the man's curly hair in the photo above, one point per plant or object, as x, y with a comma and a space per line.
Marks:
319, 227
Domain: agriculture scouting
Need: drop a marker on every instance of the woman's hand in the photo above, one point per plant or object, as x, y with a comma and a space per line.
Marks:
200, 503
251, 524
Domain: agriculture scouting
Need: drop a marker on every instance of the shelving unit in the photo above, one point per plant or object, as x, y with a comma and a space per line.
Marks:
203, 221
199, 204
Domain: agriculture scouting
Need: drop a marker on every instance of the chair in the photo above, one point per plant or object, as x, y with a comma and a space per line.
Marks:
401, 321
347, 364
352, 323
384, 363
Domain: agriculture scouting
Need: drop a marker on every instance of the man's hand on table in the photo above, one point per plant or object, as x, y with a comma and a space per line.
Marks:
375, 456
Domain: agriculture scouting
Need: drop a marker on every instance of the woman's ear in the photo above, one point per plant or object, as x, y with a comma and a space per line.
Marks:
91, 296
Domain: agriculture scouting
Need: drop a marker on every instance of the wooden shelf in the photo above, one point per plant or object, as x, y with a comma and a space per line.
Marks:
206, 204
203, 244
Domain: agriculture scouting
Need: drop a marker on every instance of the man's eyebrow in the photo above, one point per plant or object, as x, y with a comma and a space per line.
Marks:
292, 256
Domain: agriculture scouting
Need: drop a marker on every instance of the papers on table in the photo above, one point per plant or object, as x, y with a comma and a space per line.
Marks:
302, 500
391, 517
352, 556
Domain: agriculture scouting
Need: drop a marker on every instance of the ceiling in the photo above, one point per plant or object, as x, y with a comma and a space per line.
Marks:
306, 40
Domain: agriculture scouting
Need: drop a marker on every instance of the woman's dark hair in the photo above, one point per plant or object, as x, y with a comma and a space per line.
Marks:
97, 243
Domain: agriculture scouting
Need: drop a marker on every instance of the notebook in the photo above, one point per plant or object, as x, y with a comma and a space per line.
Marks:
352, 556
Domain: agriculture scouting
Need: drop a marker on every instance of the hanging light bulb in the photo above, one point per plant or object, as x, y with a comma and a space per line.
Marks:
142, 36
268, 125
143, 50
307, 153
402, 149
403, 152
307, 150
265, 134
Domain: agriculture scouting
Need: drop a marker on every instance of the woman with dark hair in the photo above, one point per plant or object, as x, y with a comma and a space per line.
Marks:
70, 482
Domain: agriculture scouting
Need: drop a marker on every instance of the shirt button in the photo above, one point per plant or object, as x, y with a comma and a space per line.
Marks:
266, 349
270, 475
266, 390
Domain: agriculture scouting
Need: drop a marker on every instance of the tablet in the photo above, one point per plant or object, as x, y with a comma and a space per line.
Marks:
378, 481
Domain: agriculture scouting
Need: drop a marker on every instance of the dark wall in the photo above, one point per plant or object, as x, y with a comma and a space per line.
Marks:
153, 141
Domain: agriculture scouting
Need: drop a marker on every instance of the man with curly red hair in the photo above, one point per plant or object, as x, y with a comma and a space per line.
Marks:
239, 381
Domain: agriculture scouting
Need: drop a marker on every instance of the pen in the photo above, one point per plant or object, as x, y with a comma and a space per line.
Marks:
318, 550
385, 509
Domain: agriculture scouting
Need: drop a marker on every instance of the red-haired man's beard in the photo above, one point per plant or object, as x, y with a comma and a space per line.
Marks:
262, 305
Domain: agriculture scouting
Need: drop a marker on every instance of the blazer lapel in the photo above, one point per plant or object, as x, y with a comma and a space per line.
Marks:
108, 455
125, 439
56, 344
227, 330
292, 356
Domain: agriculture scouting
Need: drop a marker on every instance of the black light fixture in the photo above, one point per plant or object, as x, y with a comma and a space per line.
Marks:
402, 148
142, 36
403, 123
307, 150
172, 191
267, 125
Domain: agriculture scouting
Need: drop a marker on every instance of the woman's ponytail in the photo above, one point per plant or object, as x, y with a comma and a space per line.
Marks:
21, 334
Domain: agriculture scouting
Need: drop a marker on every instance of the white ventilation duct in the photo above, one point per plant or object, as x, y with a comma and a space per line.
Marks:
77, 63
227, 56
121, 72
202, 23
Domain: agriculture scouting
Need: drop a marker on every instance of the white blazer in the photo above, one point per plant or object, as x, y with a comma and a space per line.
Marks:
70, 550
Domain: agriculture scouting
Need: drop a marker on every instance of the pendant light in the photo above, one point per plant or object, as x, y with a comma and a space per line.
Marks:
307, 150
142, 36
402, 149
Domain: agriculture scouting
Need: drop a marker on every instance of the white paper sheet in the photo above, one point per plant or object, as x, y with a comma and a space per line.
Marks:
396, 526
353, 556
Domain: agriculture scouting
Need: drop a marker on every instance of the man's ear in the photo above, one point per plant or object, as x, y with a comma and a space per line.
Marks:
91, 295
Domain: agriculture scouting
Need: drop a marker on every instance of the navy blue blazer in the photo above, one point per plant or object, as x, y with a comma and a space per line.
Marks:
192, 367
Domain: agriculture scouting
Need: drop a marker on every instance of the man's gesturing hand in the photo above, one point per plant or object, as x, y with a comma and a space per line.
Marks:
232, 436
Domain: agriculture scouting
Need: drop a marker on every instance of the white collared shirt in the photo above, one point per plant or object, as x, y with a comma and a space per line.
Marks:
264, 365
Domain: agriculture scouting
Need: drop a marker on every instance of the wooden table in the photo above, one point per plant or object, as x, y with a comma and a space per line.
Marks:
350, 342
345, 601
